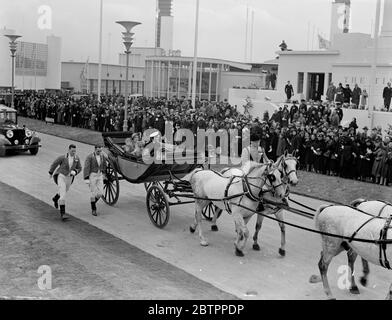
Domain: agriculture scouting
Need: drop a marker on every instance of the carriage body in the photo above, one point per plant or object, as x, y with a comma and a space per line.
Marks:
162, 179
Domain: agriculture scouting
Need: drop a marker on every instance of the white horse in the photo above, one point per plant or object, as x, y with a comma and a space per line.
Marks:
348, 222
244, 191
376, 208
287, 166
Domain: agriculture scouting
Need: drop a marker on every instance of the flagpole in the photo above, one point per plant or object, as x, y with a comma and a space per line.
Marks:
246, 34
100, 52
195, 56
251, 36
372, 85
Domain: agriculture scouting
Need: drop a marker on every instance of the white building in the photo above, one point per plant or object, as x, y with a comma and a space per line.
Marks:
37, 65
348, 60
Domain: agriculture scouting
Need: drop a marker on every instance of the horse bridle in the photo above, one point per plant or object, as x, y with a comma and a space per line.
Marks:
283, 172
268, 178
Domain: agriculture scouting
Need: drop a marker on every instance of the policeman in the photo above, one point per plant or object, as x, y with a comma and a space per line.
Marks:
63, 170
93, 172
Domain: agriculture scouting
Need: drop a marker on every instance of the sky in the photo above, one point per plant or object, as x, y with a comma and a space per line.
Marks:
222, 25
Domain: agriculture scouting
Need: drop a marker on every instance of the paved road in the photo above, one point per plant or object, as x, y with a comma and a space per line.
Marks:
264, 274
86, 262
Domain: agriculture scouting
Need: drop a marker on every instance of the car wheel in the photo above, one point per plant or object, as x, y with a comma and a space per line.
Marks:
34, 151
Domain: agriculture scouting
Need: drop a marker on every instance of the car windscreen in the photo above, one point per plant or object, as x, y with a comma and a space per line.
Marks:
7, 117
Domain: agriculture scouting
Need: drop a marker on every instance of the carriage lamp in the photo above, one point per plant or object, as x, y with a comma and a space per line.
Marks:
128, 38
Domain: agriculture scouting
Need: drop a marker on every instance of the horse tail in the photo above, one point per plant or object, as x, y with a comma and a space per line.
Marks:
189, 176
357, 202
318, 211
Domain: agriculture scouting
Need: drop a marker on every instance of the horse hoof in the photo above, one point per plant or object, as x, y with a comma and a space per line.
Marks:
282, 252
192, 230
354, 290
256, 247
214, 228
314, 279
363, 281
238, 253
204, 243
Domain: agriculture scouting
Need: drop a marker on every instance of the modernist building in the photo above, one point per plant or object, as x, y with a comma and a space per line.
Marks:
348, 60
83, 77
167, 76
164, 25
37, 65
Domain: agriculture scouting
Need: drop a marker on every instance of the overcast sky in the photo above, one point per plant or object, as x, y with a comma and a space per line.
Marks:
221, 26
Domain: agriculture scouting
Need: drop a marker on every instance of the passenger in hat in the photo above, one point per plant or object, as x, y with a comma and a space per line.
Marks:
252, 152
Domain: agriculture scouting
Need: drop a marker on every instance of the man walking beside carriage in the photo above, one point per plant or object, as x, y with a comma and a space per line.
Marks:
63, 170
93, 173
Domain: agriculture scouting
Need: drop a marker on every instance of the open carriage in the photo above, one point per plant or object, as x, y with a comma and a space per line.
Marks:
162, 180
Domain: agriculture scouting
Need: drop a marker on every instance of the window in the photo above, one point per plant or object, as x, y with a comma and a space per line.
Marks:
300, 83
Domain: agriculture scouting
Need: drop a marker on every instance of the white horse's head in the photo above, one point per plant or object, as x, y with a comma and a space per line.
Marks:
287, 165
271, 176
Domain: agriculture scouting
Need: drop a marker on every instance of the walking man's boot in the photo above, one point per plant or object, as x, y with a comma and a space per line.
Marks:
93, 209
56, 200
62, 212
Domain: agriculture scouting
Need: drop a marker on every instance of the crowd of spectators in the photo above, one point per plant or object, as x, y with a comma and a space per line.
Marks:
311, 130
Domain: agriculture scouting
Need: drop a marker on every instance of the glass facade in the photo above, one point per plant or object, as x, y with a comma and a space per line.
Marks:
168, 78
31, 59
116, 86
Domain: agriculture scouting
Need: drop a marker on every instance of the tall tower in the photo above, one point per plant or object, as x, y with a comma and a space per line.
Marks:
340, 17
164, 25
386, 29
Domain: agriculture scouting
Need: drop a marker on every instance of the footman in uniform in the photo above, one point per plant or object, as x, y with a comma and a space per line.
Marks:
94, 169
63, 170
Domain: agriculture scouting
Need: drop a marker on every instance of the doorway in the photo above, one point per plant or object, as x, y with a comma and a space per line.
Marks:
315, 86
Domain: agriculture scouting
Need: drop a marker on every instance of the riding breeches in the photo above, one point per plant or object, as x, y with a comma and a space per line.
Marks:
63, 183
96, 185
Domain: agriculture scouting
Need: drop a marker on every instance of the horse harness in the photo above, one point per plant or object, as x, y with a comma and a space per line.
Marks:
383, 235
246, 185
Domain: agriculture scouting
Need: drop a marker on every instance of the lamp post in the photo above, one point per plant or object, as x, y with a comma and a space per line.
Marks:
12, 38
127, 37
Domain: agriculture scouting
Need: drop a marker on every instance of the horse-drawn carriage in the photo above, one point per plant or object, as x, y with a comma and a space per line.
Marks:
162, 180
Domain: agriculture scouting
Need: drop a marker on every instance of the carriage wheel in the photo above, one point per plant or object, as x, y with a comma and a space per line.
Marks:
111, 185
209, 210
147, 185
157, 206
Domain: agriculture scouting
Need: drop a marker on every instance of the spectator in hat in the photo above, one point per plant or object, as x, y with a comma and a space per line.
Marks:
387, 96
364, 97
356, 95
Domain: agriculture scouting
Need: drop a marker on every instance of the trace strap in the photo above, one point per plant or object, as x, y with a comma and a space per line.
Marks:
380, 241
383, 246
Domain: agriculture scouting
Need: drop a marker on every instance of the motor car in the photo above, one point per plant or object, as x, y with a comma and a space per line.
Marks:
14, 138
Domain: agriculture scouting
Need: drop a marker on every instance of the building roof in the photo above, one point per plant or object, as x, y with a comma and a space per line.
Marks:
238, 65
313, 52
272, 61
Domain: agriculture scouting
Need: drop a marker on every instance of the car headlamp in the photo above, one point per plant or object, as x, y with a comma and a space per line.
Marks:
9, 134
28, 133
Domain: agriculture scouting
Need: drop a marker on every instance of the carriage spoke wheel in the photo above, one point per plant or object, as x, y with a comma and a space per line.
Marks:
208, 211
111, 185
157, 206
147, 185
